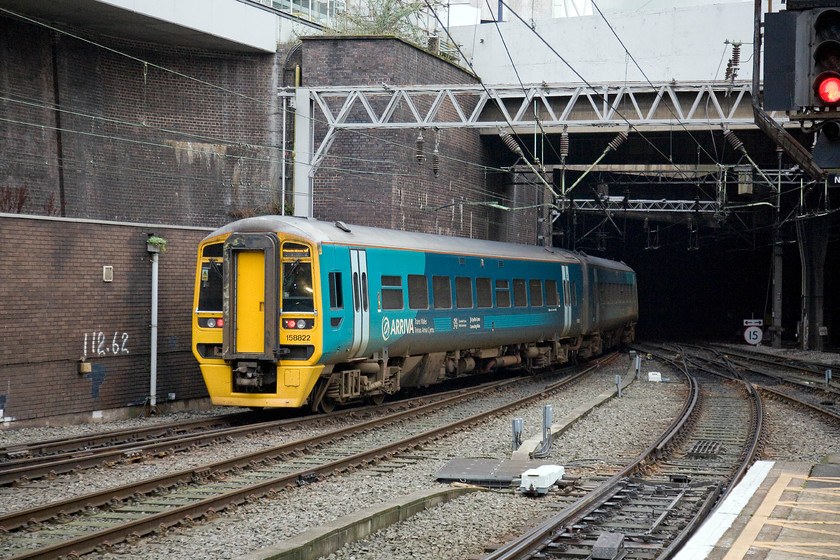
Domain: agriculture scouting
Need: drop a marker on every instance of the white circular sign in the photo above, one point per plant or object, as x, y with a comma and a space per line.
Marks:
753, 335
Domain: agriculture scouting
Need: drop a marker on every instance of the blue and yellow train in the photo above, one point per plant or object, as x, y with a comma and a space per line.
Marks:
294, 311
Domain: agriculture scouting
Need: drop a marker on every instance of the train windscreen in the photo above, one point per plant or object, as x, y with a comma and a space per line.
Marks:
210, 288
298, 295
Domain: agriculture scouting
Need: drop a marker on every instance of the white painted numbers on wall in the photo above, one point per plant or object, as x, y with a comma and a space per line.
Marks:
101, 344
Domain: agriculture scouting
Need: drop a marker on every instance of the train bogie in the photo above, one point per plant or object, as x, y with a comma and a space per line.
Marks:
294, 311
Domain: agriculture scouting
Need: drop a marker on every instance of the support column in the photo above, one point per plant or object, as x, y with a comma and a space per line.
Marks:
776, 330
812, 236
304, 148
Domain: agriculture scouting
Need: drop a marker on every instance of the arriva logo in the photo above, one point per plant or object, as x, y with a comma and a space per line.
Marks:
396, 327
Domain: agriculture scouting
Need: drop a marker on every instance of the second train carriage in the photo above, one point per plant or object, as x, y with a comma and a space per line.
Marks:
296, 311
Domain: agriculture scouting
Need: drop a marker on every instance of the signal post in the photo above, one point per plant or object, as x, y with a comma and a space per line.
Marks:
802, 77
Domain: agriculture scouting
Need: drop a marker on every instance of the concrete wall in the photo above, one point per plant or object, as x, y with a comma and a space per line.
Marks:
687, 43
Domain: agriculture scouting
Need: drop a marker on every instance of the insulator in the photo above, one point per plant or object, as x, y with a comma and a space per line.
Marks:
420, 144
736, 54
734, 141
436, 162
619, 139
510, 142
564, 144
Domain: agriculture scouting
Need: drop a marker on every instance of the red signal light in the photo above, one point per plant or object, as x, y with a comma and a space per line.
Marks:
827, 87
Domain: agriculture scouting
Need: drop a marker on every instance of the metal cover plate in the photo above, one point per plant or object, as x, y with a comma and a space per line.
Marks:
704, 449
492, 472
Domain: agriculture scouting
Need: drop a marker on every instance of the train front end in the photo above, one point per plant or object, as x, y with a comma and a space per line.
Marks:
256, 321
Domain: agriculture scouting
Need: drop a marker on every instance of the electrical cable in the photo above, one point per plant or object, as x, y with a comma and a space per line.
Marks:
590, 86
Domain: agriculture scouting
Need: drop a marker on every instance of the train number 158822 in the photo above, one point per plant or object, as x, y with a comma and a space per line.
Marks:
298, 337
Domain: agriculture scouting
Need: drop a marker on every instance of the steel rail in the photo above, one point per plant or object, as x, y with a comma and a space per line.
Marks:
89, 542
39, 466
53, 447
15, 520
530, 543
527, 544
794, 400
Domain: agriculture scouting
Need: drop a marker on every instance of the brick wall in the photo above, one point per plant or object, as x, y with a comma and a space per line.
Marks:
372, 177
187, 137
56, 308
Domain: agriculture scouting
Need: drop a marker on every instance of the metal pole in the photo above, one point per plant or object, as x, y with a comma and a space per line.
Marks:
283, 162
153, 357
778, 262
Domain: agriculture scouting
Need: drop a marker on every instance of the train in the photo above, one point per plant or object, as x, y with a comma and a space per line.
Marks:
295, 312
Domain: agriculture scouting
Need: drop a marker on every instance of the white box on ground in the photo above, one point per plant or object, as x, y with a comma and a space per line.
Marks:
540, 479
654, 376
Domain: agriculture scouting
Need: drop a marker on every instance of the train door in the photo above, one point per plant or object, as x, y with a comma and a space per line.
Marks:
250, 301
361, 302
251, 307
567, 301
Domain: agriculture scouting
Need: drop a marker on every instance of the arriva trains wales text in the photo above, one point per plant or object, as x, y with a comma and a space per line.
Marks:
396, 327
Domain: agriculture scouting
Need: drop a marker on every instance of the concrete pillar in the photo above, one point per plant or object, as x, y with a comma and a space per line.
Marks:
303, 154
812, 236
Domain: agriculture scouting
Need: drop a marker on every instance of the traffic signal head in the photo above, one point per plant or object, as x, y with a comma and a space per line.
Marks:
825, 49
827, 88
802, 60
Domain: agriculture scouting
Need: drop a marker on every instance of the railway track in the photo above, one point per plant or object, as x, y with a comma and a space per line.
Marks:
104, 518
649, 508
30, 461
798, 383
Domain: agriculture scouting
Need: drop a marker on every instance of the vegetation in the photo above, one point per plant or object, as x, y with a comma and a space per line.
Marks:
398, 18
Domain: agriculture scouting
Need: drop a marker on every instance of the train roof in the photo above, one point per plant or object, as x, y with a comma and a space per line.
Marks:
340, 233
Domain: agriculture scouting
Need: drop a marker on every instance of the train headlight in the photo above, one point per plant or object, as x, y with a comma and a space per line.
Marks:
301, 324
211, 323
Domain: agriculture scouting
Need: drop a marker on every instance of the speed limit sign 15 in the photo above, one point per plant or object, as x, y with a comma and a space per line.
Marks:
753, 335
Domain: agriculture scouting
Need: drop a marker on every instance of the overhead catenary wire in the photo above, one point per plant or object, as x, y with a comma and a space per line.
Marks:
591, 87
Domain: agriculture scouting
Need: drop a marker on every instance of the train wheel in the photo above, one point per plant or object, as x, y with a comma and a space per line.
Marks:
376, 399
326, 405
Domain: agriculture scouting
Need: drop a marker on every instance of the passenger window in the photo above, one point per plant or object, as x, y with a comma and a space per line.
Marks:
483, 292
392, 292
356, 294
336, 295
520, 293
418, 292
535, 289
442, 292
551, 298
502, 293
463, 292
365, 302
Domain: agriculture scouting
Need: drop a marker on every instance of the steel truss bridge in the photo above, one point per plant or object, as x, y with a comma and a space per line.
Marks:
546, 108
